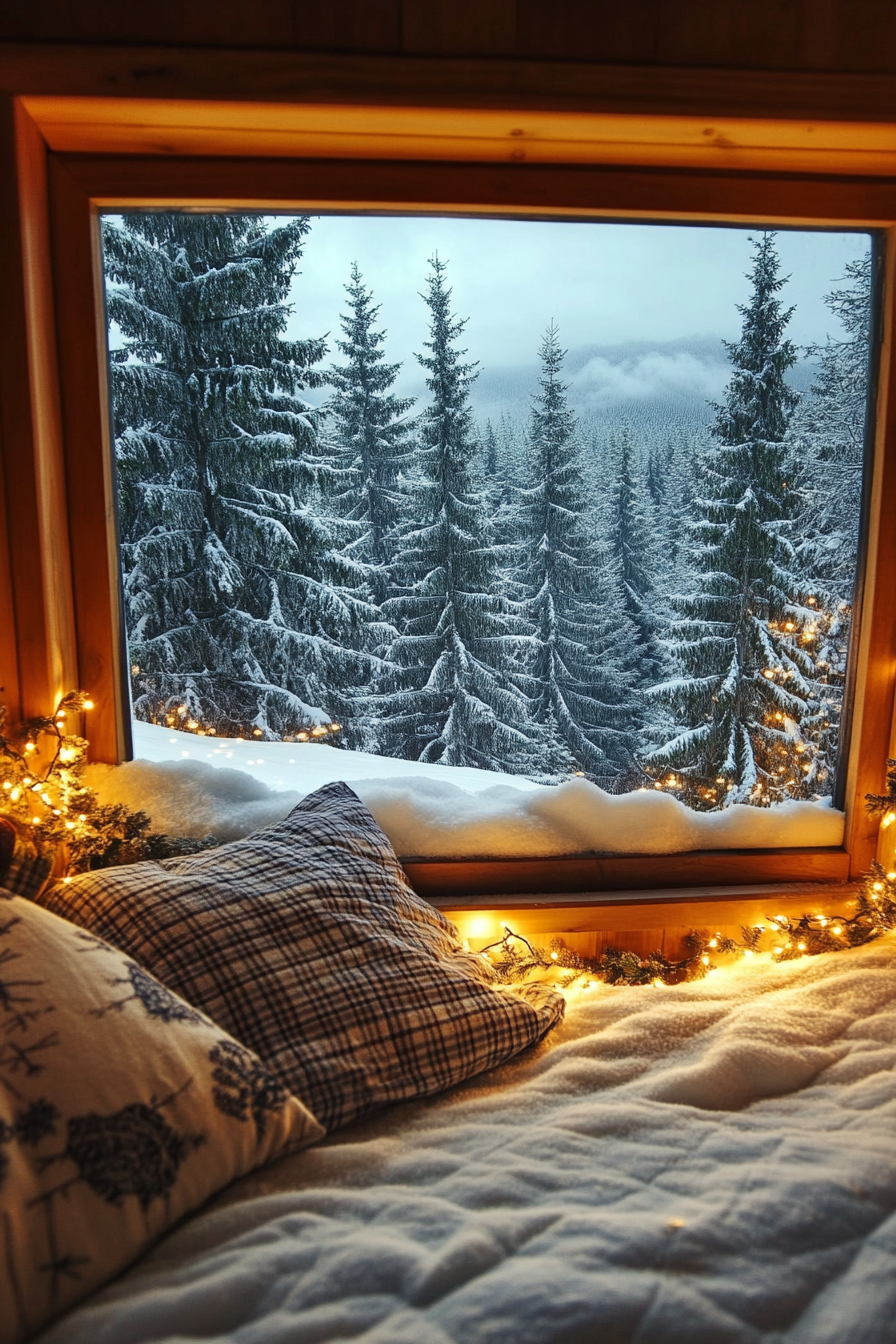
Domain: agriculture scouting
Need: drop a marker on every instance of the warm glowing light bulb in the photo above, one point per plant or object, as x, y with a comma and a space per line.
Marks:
555, 956
705, 959
88, 704
888, 820
713, 942
29, 746
837, 929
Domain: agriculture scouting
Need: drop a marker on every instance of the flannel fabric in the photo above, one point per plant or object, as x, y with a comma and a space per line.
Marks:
22, 872
307, 943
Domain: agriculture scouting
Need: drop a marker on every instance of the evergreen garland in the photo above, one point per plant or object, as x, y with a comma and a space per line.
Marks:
51, 808
514, 958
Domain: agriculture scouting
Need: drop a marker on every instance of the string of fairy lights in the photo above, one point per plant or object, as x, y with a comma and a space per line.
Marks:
514, 959
184, 718
43, 793
792, 765
41, 787
57, 817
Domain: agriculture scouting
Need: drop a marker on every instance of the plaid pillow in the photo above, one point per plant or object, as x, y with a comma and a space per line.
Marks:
306, 942
22, 872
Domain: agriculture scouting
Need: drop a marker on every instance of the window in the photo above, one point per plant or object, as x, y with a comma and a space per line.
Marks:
368, 499
82, 184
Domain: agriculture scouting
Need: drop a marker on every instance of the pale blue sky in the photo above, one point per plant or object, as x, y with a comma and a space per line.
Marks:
604, 284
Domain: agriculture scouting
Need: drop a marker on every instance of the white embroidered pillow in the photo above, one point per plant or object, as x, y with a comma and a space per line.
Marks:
121, 1109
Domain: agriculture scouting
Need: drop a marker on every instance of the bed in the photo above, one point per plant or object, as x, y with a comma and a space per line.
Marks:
707, 1162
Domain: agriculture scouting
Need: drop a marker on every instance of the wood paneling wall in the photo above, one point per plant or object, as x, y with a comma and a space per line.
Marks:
38, 664
760, 34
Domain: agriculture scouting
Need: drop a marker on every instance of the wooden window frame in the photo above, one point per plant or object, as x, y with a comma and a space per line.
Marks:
59, 590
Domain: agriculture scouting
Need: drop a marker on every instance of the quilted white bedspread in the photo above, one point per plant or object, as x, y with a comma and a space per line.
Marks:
707, 1163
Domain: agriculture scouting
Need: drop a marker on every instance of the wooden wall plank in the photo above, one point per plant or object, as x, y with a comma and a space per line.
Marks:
461, 27
645, 918
10, 690
764, 34
438, 879
211, 73
873, 707
534, 189
340, 25
30, 424
80, 314
177, 127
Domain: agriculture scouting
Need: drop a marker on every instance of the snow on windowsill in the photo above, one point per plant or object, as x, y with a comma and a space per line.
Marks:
199, 786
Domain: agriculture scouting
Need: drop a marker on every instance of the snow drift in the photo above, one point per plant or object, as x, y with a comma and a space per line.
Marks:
191, 787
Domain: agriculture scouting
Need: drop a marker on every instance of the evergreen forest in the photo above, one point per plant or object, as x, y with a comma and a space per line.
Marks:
645, 604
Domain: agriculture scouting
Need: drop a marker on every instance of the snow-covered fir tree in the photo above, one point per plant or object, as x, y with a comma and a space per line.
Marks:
828, 448
584, 712
368, 428
490, 445
634, 547
460, 702
744, 685
239, 611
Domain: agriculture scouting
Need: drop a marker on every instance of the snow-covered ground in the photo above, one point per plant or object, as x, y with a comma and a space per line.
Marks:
197, 786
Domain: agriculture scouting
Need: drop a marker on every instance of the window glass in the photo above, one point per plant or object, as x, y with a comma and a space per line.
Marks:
533, 501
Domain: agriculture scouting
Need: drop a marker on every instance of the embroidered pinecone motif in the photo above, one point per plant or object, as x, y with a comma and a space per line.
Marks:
36, 1122
133, 1152
158, 1000
245, 1086
29, 1127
